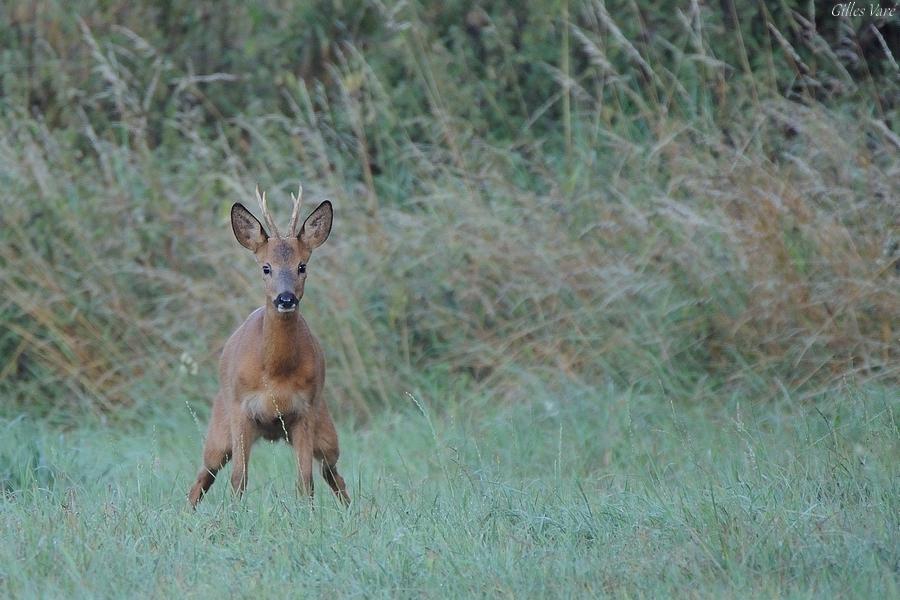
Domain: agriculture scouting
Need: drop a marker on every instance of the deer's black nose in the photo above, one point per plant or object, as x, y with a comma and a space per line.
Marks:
286, 302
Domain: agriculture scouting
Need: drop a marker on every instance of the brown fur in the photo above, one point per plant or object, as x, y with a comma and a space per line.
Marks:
272, 370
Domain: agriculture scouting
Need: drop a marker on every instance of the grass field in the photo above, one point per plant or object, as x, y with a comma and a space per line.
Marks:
610, 307
614, 492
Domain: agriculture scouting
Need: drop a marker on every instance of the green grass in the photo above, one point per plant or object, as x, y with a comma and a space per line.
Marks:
610, 492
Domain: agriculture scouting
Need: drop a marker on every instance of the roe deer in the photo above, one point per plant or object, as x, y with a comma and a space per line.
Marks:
272, 369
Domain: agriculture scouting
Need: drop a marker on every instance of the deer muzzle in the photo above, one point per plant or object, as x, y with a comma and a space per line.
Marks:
286, 302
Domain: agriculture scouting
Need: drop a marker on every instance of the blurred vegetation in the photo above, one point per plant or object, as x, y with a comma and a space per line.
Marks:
702, 197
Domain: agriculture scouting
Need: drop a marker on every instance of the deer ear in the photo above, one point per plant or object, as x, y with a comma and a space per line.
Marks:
247, 229
317, 226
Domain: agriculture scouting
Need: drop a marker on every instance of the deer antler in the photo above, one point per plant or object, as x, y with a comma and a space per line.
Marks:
295, 213
273, 230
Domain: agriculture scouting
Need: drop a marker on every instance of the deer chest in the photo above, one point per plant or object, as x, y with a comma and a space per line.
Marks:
268, 405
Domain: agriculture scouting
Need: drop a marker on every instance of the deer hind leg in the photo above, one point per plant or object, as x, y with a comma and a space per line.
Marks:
216, 453
326, 449
334, 480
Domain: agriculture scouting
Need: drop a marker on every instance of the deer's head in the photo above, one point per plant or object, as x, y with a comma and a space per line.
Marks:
282, 259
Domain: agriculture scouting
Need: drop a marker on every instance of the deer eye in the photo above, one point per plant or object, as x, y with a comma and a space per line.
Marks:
301, 268
267, 269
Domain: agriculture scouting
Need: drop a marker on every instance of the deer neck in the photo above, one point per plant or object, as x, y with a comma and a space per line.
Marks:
281, 342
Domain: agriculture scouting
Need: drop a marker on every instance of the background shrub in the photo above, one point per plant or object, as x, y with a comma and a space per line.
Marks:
703, 198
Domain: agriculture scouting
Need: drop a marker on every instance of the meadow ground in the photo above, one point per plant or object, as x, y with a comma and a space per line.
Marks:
605, 494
